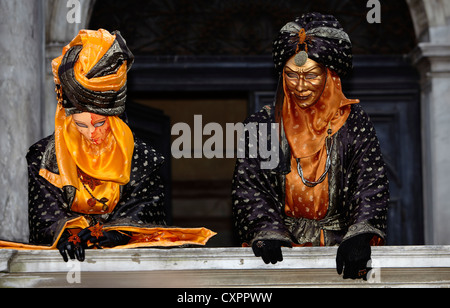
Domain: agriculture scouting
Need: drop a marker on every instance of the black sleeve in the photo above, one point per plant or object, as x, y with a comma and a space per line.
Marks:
366, 182
47, 207
257, 204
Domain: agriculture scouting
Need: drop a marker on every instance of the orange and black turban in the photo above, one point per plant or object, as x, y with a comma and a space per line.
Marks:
315, 36
91, 73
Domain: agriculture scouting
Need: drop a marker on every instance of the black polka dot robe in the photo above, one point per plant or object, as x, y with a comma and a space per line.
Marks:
357, 179
141, 201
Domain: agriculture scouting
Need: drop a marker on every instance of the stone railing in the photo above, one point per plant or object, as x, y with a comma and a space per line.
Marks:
393, 266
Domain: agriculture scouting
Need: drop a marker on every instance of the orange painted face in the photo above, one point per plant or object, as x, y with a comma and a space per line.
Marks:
305, 83
93, 127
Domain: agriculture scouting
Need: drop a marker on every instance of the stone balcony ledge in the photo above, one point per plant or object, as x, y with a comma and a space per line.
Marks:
393, 266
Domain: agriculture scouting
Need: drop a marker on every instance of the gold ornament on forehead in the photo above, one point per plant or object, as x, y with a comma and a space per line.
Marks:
301, 58
301, 55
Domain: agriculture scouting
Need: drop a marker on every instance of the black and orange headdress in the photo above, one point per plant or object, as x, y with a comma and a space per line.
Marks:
91, 73
316, 36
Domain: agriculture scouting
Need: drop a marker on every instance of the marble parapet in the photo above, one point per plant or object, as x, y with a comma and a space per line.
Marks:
393, 266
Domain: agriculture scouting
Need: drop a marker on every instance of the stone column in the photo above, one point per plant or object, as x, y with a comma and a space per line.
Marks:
432, 56
21, 79
433, 60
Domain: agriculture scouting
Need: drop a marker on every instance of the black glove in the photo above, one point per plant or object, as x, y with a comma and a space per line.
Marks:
269, 250
353, 255
72, 245
102, 238
111, 239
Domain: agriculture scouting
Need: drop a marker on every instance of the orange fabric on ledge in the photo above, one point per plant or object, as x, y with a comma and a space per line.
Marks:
141, 237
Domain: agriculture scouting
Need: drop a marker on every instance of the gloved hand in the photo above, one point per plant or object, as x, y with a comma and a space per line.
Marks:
101, 238
111, 239
72, 245
269, 250
353, 255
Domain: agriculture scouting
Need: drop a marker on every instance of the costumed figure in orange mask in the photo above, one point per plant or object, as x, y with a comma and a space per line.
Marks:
330, 186
93, 183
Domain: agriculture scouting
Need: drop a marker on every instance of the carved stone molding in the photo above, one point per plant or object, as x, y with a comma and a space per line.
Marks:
393, 266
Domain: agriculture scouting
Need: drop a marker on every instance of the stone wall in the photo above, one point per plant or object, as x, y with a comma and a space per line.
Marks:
21, 75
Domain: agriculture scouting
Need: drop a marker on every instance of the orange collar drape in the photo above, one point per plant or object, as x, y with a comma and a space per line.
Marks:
306, 131
109, 163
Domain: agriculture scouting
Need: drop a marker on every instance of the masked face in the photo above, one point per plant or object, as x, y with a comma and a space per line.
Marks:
305, 83
93, 127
